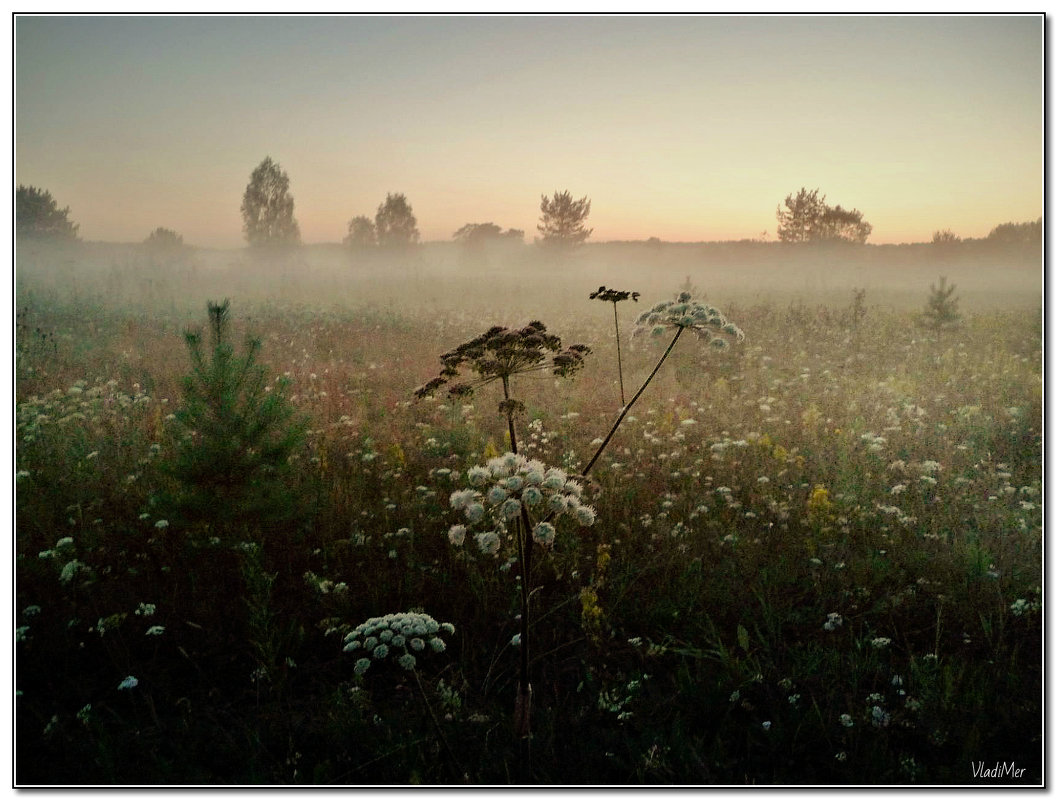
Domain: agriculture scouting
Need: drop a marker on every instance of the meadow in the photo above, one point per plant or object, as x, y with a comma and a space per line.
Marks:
814, 557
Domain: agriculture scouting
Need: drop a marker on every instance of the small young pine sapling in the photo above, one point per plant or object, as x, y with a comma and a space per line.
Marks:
941, 308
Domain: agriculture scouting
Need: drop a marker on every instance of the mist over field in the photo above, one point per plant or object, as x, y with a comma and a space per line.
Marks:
318, 482
513, 279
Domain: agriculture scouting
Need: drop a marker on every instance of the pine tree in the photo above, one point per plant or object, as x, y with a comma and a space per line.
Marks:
232, 461
941, 308
562, 220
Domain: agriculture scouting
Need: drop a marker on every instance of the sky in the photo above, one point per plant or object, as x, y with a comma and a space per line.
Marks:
688, 128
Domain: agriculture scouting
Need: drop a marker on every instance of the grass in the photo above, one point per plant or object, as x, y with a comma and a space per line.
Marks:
844, 463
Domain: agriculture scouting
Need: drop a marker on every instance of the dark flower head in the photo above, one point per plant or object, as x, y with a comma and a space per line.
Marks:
502, 352
613, 295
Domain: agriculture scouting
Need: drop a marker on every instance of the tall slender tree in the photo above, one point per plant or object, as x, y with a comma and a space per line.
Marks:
268, 208
395, 225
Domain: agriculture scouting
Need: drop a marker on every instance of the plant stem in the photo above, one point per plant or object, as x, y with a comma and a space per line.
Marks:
458, 768
631, 403
521, 706
620, 374
510, 414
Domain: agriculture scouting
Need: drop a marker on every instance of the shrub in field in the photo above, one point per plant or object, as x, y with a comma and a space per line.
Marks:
238, 434
361, 234
164, 241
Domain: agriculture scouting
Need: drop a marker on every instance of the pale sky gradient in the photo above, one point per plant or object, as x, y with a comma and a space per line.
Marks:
685, 128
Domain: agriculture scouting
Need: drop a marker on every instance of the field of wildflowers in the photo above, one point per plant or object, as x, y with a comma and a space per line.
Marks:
812, 556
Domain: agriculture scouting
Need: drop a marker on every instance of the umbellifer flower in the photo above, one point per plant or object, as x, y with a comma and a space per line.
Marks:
502, 352
400, 633
706, 321
516, 485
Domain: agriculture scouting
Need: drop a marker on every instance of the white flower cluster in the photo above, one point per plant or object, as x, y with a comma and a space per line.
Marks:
505, 486
1022, 606
400, 636
706, 321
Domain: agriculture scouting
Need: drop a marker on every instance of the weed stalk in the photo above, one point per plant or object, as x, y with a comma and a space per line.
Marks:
631, 403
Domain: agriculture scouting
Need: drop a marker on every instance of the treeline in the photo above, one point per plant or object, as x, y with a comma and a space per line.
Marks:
269, 223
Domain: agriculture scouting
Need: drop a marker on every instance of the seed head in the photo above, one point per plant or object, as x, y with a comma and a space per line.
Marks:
502, 352
613, 295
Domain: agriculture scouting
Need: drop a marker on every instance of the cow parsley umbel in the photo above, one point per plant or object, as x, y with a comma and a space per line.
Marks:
684, 313
401, 638
679, 315
507, 486
503, 352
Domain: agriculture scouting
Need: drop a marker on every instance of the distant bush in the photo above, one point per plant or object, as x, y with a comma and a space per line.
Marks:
473, 234
807, 218
38, 216
361, 234
1026, 233
945, 237
164, 241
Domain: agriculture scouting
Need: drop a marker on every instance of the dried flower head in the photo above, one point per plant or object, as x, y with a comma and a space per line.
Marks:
399, 633
613, 295
502, 352
706, 321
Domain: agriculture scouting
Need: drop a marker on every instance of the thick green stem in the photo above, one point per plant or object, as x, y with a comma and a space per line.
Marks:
631, 403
